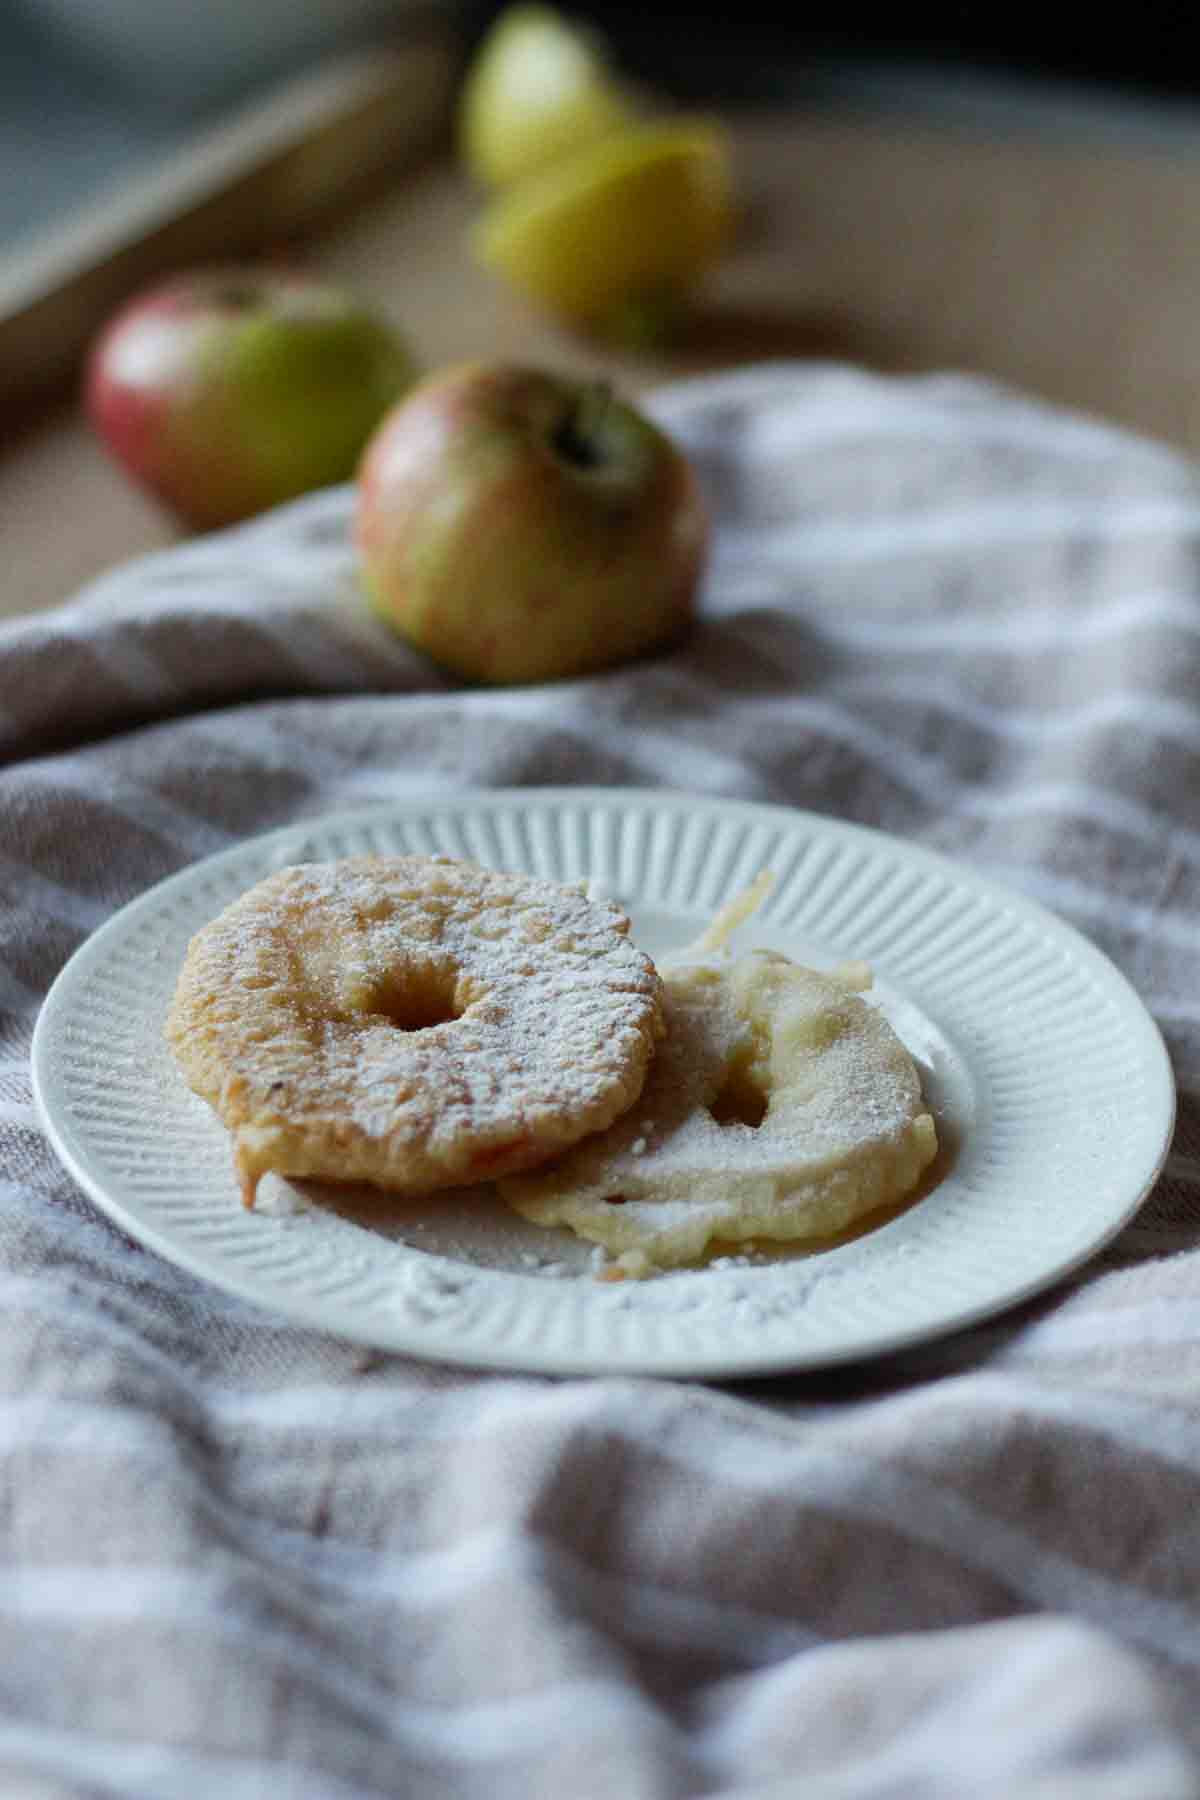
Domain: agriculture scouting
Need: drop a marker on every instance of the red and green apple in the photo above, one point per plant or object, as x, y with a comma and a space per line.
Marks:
519, 525
226, 391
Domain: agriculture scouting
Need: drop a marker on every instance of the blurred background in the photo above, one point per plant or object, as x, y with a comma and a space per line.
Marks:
957, 188
91, 88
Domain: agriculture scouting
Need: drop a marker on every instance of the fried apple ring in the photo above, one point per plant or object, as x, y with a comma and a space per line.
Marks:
412, 1022
781, 1107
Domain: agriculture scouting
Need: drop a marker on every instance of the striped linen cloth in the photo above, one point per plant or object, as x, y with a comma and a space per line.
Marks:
244, 1559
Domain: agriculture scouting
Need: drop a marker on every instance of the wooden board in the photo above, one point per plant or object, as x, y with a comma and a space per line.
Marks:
274, 170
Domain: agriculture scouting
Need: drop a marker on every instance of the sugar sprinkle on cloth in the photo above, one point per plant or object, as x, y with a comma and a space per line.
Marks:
241, 1558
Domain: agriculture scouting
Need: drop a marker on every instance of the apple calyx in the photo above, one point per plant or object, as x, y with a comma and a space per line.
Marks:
581, 436
595, 437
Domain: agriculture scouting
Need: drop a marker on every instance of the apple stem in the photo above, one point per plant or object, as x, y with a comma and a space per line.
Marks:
238, 298
579, 437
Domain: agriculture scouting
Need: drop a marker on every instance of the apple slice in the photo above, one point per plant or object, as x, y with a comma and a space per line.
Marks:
629, 223
539, 88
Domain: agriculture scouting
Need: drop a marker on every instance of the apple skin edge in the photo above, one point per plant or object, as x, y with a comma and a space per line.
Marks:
520, 526
224, 392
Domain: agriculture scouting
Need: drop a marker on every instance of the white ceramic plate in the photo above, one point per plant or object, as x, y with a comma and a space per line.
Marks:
1049, 1081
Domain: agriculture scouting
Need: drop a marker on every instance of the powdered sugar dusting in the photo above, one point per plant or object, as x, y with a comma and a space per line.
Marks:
413, 1021
845, 1127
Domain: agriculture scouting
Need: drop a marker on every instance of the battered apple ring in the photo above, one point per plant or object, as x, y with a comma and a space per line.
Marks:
412, 1022
781, 1107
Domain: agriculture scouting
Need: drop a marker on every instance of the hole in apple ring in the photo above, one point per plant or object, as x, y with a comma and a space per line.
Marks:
419, 999
741, 1098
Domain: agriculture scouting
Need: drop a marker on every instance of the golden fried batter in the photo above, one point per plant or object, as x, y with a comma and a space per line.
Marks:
781, 1106
414, 1022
